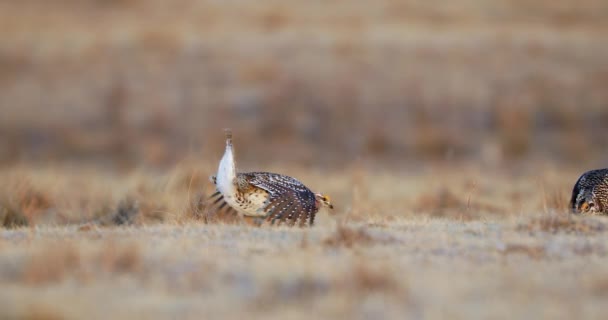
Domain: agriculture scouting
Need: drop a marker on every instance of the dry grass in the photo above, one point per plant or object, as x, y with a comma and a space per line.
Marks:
564, 223
198, 269
130, 246
448, 136
534, 251
79, 195
383, 80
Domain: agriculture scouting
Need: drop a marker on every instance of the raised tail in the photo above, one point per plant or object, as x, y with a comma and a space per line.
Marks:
226, 171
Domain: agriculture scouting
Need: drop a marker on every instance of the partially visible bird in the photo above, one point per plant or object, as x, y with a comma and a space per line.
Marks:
590, 193
272, 196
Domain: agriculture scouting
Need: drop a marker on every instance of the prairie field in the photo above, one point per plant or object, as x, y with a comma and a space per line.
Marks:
433, 244
448, 135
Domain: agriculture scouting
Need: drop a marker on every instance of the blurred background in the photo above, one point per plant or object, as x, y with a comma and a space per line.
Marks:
129, 83
440, 129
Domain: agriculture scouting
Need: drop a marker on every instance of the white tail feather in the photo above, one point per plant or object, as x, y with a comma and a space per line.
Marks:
226, 172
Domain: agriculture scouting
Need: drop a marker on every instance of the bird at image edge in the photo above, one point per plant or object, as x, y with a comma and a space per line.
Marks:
590, 193
270, 196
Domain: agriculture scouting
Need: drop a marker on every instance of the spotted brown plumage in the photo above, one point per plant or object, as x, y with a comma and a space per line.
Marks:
274, 197
590, 193
284, 199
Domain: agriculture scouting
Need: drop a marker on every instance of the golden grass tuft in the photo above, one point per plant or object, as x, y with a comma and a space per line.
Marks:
24, 203
11, 218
